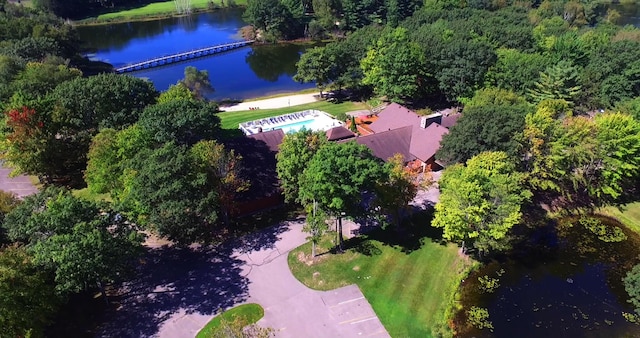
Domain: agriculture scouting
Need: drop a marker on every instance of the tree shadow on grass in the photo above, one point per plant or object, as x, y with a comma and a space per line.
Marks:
412, 233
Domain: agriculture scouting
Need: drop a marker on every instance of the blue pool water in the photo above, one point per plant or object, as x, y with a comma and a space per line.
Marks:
296, 126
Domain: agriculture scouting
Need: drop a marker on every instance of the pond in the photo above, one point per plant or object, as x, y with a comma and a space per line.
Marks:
247, 72
564, 283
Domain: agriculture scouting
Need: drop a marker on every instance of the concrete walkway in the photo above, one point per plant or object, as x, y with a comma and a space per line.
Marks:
180, 290
275, 102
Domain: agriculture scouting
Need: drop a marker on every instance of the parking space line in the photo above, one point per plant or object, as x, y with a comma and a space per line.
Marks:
364, 320
350, 321
351, 300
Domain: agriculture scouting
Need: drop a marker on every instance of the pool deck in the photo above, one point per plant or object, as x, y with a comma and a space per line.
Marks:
312, 119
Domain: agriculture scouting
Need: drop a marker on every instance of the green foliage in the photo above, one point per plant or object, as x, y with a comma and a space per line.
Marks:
296, 151
314, 66
632, 286
516, 70
479, 318
462, 66
495, 97
183, 121
108, 155
176, 92
197, 81
558, 82
271, 16
481, 202
483, 128
488, 284
395, 67
222, 170
609, 234
27, 298
81, 244
316, 225
395, 192
102, 101
170, 196
37, 79
338, 175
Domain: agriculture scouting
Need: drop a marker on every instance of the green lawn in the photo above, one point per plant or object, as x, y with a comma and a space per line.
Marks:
629, 215
249, 314
162, 8
409, 290
230, 120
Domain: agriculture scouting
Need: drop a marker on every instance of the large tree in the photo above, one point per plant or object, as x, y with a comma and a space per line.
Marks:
271, 16
295, 152
395, 193
108, 158
102, 101
396, 67
182, 120
338, 176
27, 297
481, 202
483, 128
83, 245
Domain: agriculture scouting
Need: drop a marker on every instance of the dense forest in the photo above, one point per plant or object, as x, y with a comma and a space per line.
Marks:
550, 92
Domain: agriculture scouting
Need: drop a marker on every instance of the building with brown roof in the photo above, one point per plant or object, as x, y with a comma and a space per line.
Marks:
401, 130
339, 133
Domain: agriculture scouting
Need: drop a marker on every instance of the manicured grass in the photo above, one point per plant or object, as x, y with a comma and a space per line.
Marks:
249, 314
230, 120
629, 215
86, 194
409, 290
157, 9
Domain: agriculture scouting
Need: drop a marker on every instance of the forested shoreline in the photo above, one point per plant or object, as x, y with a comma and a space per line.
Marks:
550, 92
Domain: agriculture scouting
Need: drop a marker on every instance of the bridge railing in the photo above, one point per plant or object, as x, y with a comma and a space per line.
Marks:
174, 55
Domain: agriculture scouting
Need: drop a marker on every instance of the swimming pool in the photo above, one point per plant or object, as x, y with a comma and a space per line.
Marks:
315, 120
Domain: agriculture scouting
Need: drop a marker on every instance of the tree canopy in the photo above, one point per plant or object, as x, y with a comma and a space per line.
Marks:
481, 202
85, 247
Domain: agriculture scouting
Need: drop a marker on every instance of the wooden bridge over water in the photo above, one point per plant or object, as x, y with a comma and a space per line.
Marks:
194, 54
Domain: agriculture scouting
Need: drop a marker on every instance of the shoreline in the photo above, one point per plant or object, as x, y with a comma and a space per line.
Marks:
274, 101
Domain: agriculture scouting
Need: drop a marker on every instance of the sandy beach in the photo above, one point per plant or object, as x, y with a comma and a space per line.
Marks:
275, 102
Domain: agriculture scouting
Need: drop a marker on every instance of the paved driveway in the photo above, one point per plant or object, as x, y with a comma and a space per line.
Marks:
180, 290
20, 185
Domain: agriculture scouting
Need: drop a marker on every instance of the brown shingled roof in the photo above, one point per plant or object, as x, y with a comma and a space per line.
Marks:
450, 120
272, 138
426, 141
386, 144
394, 116
339, 133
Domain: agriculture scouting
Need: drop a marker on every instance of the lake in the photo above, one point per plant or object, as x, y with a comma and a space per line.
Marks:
243, 73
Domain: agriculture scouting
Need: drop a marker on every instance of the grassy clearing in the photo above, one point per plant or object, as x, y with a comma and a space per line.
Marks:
157, 9
249, 314
629, 215
86, 194
230, 120
409, 286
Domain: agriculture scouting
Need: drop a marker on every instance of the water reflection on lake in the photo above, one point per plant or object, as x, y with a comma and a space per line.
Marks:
243, 73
